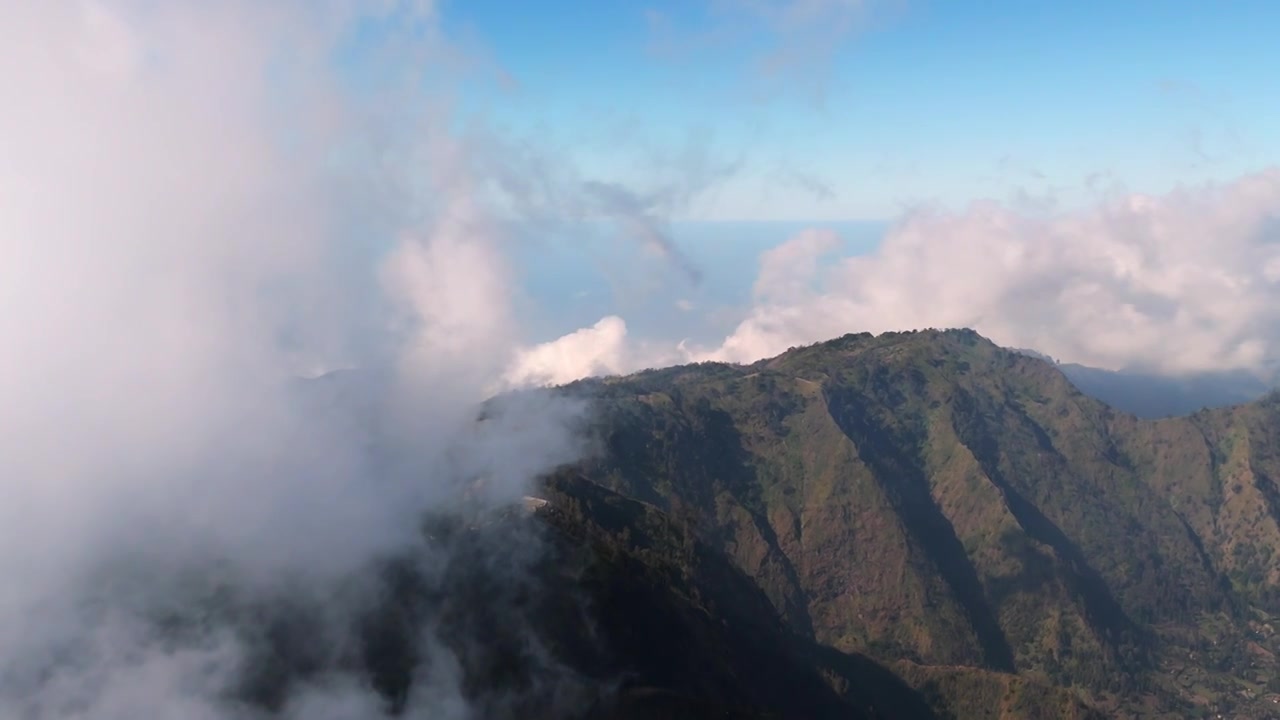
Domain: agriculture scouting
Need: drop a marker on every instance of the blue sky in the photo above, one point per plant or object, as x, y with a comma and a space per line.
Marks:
575, 289
1034, 104
927, 101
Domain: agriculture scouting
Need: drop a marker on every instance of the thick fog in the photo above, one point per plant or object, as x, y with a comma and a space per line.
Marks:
198, 203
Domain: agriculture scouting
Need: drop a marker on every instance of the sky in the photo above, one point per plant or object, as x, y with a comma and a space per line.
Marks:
1049, 150
898, 103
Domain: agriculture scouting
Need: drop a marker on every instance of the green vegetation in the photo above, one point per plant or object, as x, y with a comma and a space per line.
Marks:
963, 515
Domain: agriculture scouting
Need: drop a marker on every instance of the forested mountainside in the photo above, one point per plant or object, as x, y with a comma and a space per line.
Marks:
590, 607
914, 525
963, 516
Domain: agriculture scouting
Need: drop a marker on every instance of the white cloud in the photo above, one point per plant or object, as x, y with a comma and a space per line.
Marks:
174, 246
598, 350
787, 271
1175, 283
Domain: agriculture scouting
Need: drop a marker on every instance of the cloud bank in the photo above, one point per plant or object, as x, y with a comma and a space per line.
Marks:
1173, 284
1185, 282
180, 238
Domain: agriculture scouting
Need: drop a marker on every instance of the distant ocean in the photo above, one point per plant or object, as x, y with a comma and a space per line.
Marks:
572, 282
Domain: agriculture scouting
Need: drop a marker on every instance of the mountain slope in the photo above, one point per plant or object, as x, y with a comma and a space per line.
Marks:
929, 497
682, 622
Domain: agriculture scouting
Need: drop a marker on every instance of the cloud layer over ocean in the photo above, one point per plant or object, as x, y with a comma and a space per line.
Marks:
1177, 283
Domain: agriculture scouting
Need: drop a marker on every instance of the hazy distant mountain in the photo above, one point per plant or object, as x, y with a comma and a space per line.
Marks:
1153, 396
1149, 395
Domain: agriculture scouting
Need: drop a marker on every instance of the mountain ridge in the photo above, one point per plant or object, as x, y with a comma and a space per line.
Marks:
979, 498
915, 524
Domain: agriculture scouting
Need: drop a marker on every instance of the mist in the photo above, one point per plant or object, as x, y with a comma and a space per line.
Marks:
199, 209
